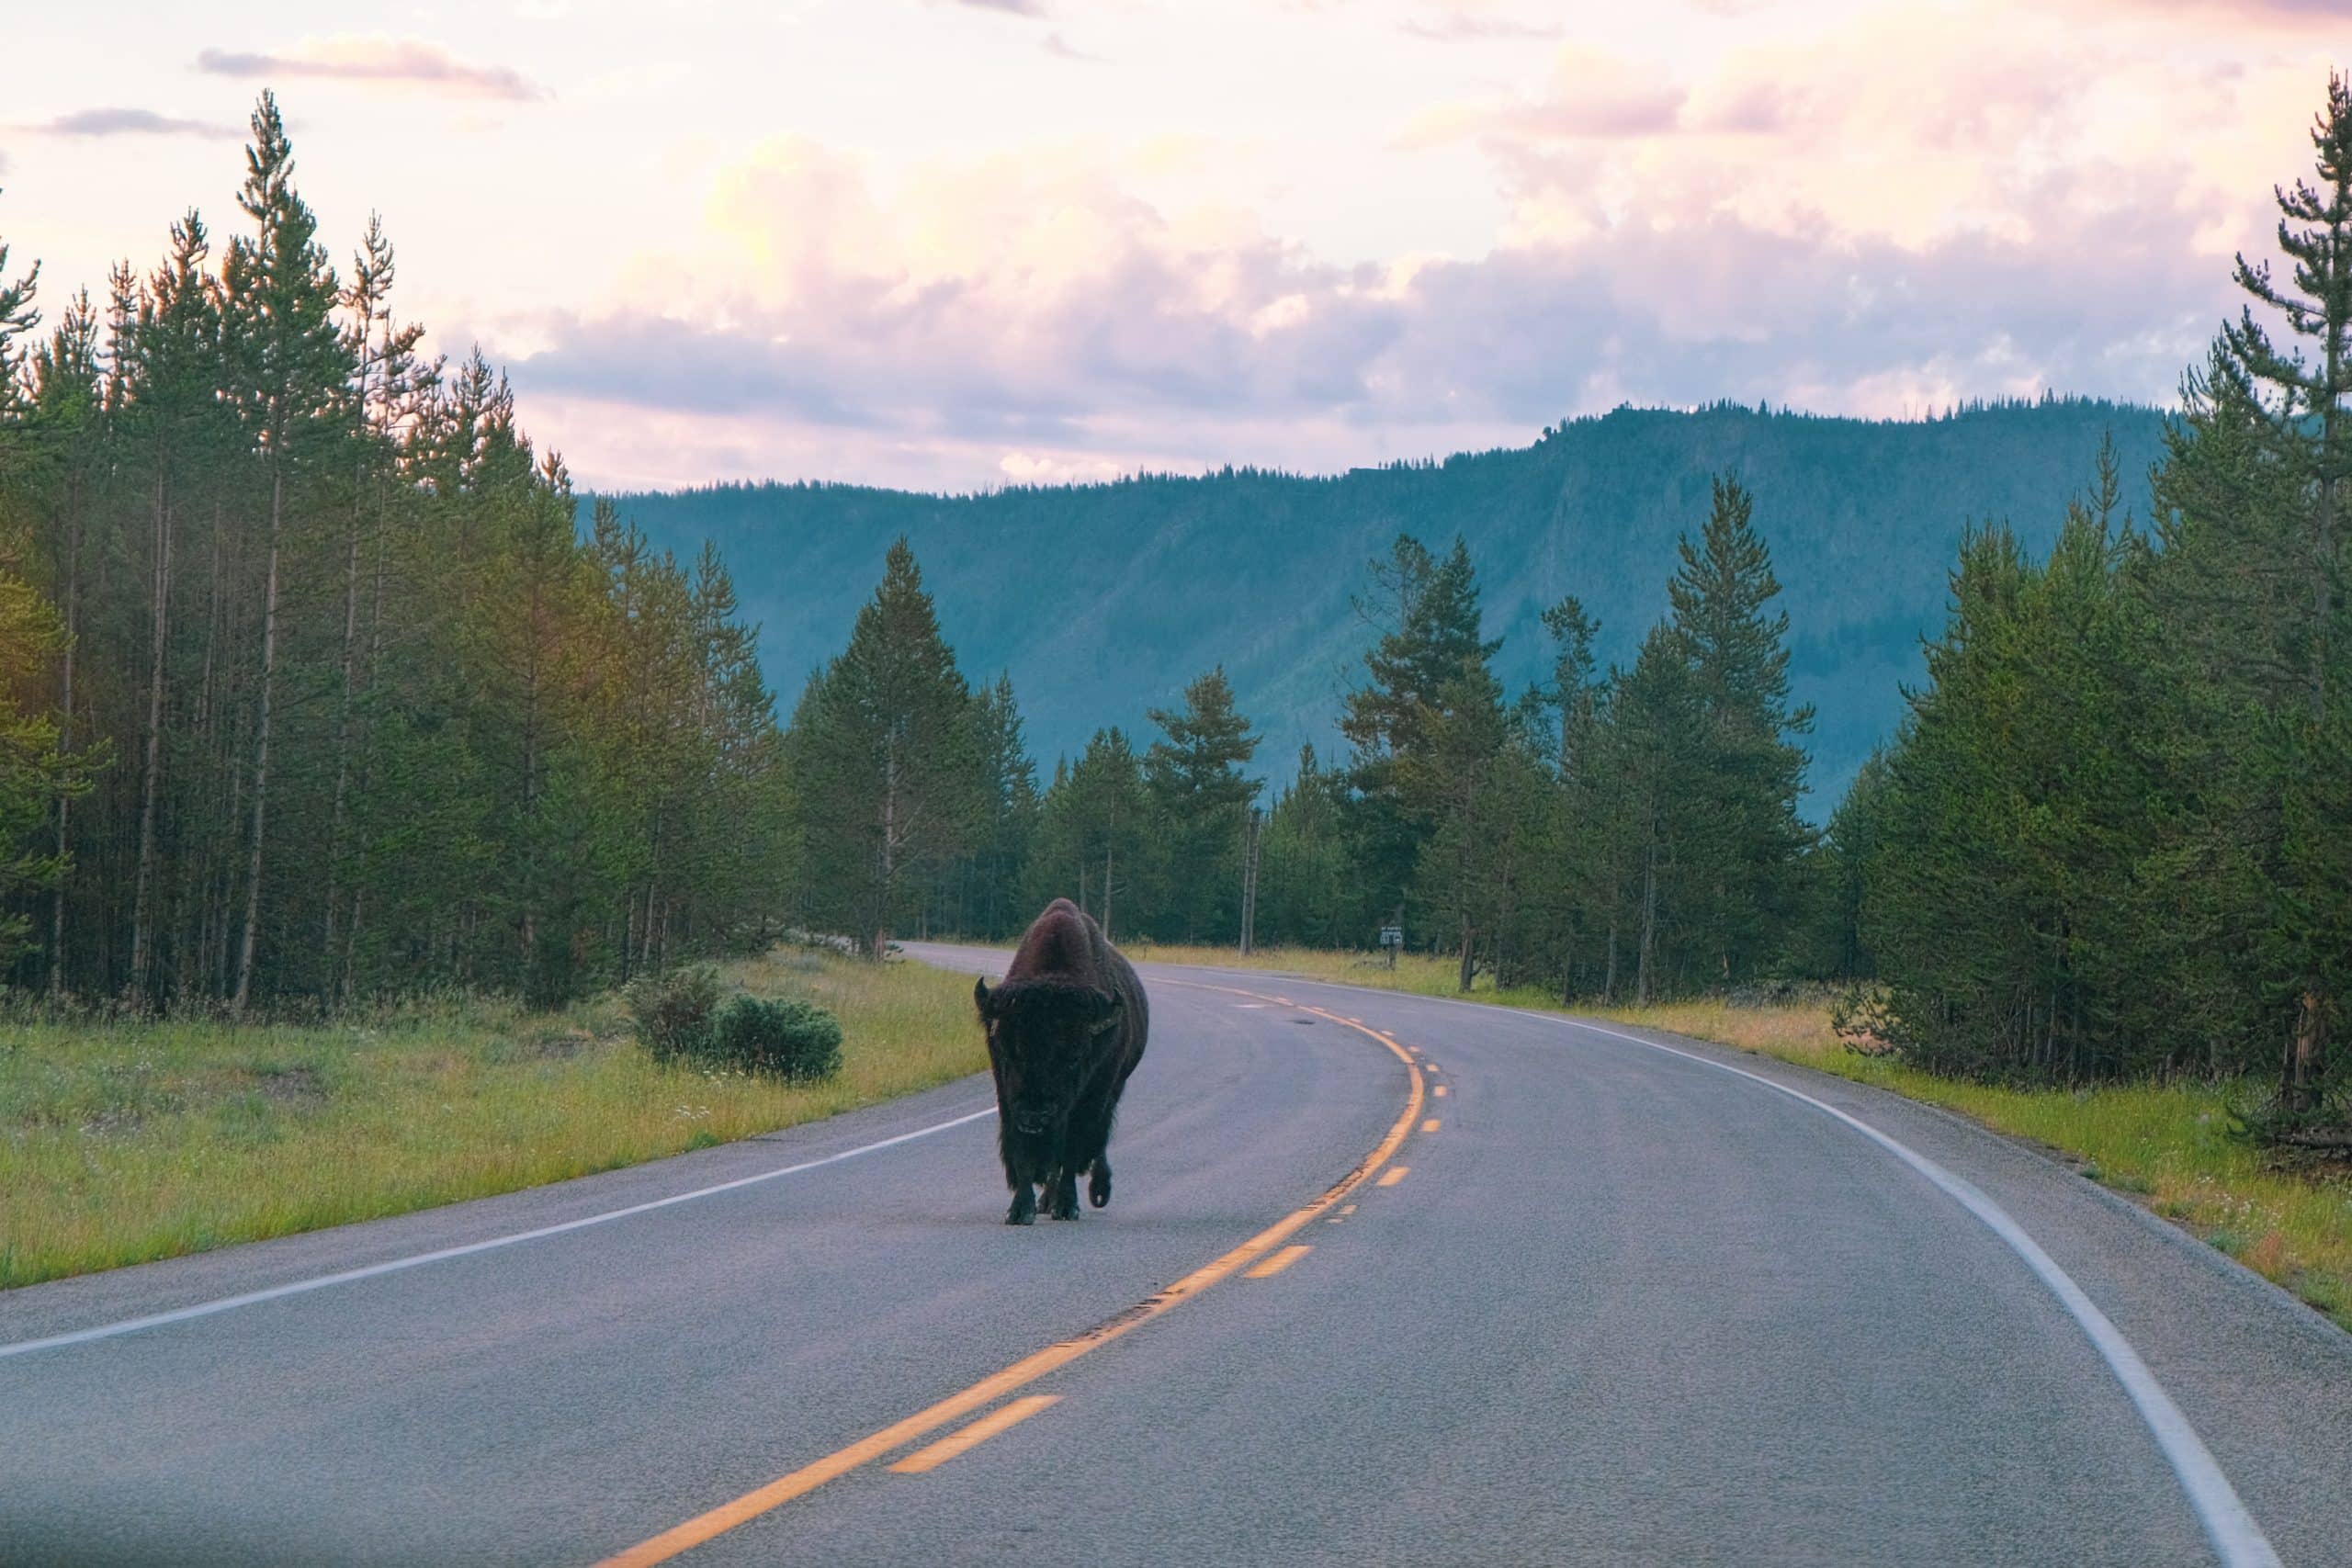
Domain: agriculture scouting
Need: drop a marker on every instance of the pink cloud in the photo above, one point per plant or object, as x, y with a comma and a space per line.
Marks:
378, 59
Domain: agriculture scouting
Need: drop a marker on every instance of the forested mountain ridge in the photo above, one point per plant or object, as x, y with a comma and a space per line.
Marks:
1103, 600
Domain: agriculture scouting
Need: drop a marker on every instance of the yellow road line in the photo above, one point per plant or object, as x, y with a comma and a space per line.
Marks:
973, 1436
1430, 1125
1438, 1090
1268, 1267
1395, 1174
1030, 1367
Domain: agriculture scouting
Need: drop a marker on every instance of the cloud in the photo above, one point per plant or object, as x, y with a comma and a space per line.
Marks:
1061, 49
131, 122
1466, 20
1588, 94
378, 59
2230, 10
934, 330
1011, 7
1790, 219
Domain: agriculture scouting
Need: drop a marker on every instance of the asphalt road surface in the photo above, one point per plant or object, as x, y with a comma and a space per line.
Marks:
1439, 1285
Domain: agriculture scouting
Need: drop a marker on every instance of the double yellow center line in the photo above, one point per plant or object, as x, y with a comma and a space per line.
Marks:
764, 1499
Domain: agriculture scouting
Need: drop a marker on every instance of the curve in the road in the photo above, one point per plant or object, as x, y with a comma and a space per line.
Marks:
2229, 1526
765, 1499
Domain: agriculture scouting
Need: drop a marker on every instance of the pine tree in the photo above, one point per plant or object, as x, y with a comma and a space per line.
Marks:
1448, 780
1429, 612
294, 365
1655, 746
1309, 893
2305, 398
883, 756
37, 774
1589, 827
1008, 785
1750, 773
1201, 800
1095, 832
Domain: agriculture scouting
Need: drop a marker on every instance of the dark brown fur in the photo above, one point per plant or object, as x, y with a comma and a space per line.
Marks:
1065, 1028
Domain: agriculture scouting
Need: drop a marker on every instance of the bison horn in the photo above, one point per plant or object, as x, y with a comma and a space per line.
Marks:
980, 995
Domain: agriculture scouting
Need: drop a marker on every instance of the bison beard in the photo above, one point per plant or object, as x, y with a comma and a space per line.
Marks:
1065, 1030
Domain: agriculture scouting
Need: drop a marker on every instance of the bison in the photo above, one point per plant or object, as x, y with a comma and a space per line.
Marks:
1065, 1029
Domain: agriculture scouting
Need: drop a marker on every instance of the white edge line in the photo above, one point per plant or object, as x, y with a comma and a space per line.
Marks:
2235, 1536
394, 1265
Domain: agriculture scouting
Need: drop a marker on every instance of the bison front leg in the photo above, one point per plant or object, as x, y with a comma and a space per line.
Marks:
1098, 1185
1063, 1196
1020, 1175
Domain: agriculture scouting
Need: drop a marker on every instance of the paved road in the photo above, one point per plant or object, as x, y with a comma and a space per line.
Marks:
1622, 1305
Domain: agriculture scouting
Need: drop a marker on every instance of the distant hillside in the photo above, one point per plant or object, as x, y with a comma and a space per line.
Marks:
1101, 600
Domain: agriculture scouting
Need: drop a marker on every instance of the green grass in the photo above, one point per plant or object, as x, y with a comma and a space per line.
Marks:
122, 1143
2167, 1145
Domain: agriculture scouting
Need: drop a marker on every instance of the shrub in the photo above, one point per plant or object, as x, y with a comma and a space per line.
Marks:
787, 1037
673, 1011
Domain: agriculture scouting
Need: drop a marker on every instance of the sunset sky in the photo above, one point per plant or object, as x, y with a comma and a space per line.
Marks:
952, 243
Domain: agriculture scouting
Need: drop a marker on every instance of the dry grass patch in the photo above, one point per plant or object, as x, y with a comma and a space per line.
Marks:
128, 1142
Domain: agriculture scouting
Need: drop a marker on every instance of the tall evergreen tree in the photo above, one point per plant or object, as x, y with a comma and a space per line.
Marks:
1750, 773
883, 756
1309, 893
1202, 799
1654, 748
2304, 393
1095, 832
292, 369
1430, 648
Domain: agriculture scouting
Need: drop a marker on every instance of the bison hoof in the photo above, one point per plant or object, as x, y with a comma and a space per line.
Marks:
1024, 1211
1098, 1188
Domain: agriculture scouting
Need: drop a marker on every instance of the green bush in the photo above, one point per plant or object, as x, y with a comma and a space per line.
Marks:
787, 1037
673, 1011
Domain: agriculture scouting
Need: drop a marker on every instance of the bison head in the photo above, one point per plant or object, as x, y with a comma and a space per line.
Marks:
1044, 1037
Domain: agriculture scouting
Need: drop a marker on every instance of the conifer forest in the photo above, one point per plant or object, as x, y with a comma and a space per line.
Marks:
323, 686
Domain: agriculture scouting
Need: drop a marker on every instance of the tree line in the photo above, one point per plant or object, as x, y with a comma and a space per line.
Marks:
313, 690
2113, 836
1631, 833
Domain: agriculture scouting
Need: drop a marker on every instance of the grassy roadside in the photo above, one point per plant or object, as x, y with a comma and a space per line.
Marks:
2166, 1145
124, 1143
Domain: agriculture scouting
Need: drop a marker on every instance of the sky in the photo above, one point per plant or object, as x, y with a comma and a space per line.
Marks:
952, 245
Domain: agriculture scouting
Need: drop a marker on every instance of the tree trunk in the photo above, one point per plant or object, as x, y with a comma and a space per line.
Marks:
65, 735
251, 940
1644, 975
143, 937
343, 744
1609, 975
1467, 970
2306, 1052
